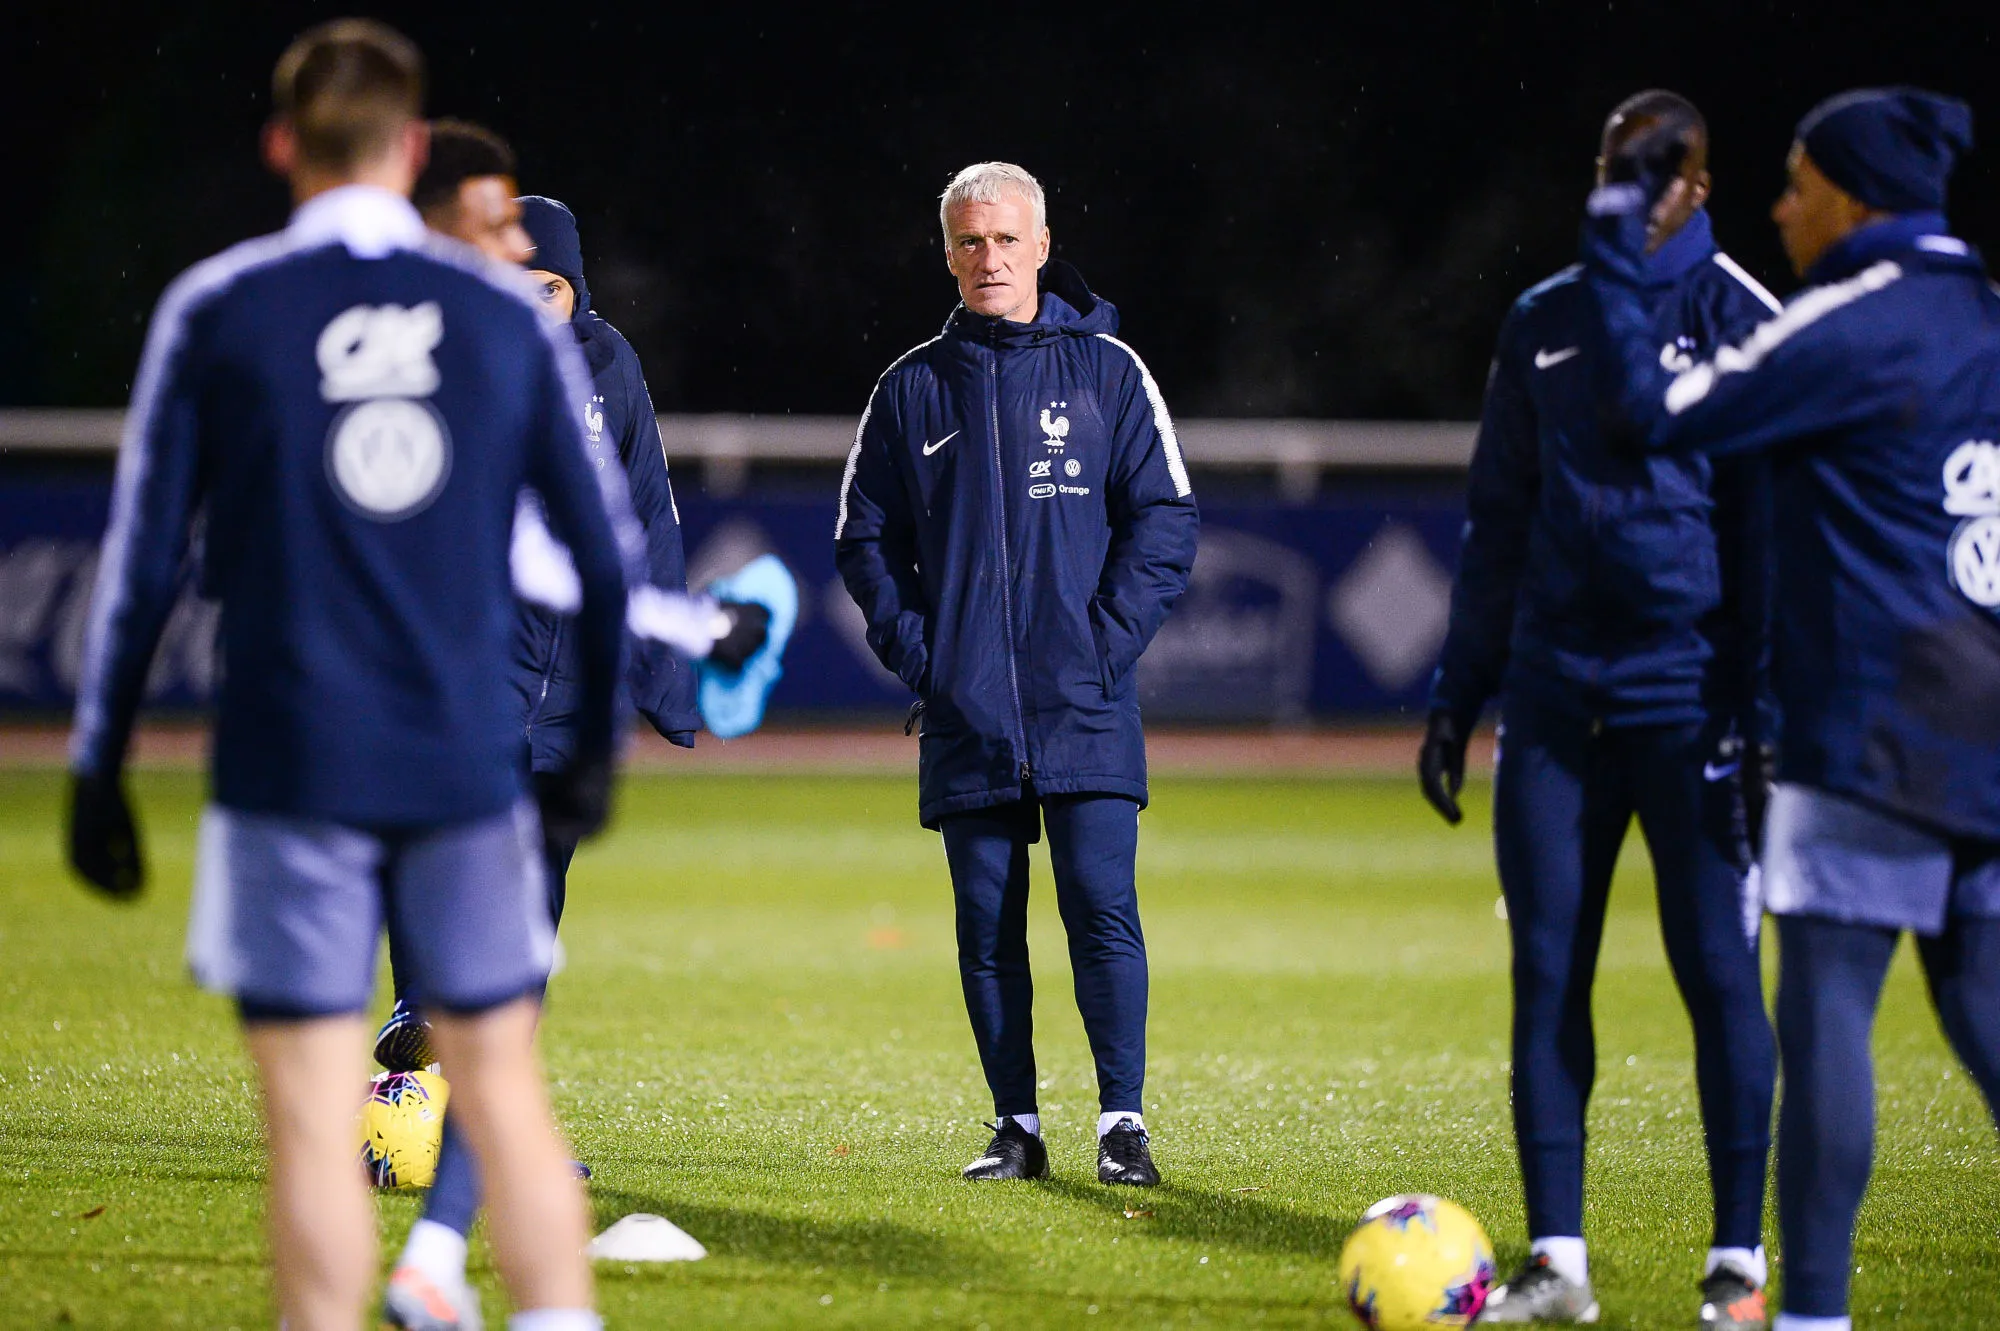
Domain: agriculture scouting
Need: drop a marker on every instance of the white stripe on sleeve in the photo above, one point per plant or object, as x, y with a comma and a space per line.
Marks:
1806, 309
1750, 284
691, 625
544, 572
135, 456
854, 453
1176, 468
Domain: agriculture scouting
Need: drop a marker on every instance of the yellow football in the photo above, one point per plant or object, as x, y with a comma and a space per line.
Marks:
1416, 1261
402, 1127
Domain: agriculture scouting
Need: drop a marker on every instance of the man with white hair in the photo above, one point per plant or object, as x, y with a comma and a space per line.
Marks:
1015, 523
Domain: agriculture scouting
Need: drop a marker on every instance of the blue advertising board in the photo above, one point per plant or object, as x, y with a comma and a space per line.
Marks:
1335, 607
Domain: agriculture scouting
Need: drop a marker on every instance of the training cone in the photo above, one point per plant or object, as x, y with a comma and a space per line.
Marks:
646, 1238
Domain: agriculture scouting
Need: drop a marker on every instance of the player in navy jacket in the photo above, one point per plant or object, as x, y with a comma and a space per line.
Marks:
1877, 395
1015, 522
1608, 600
354, 405
660, 680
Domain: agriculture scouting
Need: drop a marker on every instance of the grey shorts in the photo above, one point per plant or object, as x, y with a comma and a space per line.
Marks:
289, 912
1835, 859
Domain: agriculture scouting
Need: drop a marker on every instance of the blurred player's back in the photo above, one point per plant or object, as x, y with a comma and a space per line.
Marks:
330, 377
355, 409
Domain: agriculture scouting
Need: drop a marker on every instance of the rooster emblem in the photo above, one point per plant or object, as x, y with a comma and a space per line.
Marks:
1056, 428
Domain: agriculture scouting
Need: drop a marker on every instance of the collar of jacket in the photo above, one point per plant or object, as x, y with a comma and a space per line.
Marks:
1927, 233
370, 221
599, 350
1682, 252
1068, 308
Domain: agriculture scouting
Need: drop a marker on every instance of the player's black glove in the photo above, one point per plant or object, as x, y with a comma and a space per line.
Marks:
103, 841
749, 628
1760, 769
575, 800
1441, 766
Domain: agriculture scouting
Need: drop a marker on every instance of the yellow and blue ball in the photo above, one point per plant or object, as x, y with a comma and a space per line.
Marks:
1414, 1262
402, 1127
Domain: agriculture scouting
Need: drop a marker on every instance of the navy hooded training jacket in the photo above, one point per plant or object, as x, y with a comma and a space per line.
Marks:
1877, 395
661, 685
1621, 587
1015, 523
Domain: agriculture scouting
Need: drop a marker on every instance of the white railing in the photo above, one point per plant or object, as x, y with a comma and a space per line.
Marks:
726, 446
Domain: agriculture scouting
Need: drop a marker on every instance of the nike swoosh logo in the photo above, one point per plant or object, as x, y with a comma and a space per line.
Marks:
932, 448
1711, 772
1545, 358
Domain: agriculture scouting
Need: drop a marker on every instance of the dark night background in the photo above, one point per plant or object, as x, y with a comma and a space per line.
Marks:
1317, 217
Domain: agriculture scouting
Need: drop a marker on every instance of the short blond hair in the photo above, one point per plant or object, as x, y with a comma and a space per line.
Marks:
348, 87
986, 182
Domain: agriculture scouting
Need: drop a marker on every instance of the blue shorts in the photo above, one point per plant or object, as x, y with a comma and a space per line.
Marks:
288, 912
1834, 859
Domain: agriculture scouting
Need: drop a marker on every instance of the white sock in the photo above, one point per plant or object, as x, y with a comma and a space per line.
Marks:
1794, 1322
1106, 1122
556, 1319
1032, 1122
1750, 1261
1567, 1256
436, 1250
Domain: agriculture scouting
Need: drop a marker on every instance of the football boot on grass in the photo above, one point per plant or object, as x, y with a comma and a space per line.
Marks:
1014, 1152
404, 1042
1731, 1301
415, 1302
1125, 1155
1540, 1294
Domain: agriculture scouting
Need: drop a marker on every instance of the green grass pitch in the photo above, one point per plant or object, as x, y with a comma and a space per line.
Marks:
760, 1035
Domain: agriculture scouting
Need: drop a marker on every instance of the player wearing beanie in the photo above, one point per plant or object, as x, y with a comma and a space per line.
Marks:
1879, 385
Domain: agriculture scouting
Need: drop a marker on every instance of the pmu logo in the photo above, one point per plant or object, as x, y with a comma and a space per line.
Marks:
1972, 492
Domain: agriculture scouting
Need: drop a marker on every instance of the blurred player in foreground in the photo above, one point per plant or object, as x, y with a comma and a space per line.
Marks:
467, 191
1613, 603
356, 408
428, 1290
1015, 523
1878, 392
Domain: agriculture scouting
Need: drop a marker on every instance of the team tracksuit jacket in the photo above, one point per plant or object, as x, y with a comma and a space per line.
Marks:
1625, 588
1877, 394
1015, 522
354, 404
617, 412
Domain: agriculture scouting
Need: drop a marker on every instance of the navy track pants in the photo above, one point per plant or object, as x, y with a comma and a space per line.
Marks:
1093, 842
1830, 978
1566, 790
453, 1199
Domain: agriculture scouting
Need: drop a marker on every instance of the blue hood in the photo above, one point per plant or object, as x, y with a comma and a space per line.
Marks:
1068, 308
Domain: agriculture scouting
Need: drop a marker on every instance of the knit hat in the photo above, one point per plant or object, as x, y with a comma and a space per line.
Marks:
1891, 148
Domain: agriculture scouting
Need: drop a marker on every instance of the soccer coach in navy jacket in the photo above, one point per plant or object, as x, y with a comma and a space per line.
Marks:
1016, 522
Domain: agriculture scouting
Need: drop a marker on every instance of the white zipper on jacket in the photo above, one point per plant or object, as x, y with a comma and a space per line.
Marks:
1006, 560
548, 674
